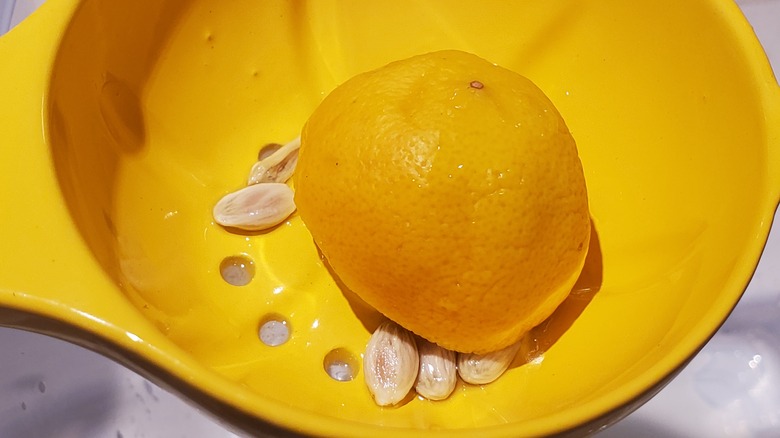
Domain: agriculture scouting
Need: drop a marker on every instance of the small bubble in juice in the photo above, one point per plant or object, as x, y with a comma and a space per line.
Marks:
274, 332
341, 365
237, 270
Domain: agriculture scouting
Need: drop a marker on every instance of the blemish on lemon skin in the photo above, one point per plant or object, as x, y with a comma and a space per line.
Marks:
477, 84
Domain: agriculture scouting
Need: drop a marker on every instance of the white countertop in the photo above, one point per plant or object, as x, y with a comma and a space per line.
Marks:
50, 388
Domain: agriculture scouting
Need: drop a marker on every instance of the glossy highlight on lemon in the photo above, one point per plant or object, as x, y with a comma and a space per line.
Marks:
446, 192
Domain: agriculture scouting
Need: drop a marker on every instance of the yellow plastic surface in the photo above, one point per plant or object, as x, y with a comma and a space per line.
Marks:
123, 122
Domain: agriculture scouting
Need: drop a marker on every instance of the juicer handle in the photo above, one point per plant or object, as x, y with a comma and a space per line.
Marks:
47, 272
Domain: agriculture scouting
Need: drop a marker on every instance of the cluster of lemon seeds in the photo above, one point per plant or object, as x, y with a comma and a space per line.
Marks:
267, 200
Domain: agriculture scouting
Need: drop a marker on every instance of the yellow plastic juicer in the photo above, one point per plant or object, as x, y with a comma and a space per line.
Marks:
123, 122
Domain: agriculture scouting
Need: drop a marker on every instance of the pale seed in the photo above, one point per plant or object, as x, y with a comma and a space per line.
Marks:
278, 166
267, 150
390, 363
256, 207
479, 369
437, 375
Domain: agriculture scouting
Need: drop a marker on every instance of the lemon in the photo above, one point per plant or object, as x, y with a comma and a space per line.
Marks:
446, 192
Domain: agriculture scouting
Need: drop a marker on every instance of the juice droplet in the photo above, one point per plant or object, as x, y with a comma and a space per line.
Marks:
237, 270
341, 365
274, 331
